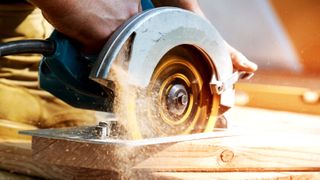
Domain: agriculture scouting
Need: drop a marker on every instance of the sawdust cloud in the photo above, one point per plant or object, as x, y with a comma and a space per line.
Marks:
131, 114
131, 106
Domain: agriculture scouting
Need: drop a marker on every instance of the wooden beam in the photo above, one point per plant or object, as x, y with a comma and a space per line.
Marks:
111, 157
16, 157
256, 152
249, 152
282, 98
271, 141
278, 77
281, 90
235, 175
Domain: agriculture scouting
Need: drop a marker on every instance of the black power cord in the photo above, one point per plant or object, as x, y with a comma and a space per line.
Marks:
27, 46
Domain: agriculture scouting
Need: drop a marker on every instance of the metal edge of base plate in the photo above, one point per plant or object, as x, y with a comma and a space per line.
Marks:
84, 135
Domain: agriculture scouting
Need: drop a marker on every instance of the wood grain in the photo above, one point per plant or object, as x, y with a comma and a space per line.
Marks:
279, 141
235, 175
247, 153
110, 157
261, 146
16, 157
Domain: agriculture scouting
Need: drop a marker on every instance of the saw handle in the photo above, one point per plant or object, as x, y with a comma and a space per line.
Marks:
65, 74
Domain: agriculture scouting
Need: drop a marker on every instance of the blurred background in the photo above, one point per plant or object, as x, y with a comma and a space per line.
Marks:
283, 38
276, 34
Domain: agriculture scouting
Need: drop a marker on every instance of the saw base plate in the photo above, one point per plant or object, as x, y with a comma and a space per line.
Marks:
86, 135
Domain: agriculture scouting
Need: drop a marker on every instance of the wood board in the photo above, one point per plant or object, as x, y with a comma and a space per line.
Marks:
247, 153
16, 157
281, 90
236, 175
202, 159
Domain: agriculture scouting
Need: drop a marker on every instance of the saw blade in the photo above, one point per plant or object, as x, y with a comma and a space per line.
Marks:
177, 100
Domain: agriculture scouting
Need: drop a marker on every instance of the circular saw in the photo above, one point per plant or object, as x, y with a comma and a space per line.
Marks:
176, 75
164, 72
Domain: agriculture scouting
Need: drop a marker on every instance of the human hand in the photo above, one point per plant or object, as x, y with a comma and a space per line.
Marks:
89, 23
239, 61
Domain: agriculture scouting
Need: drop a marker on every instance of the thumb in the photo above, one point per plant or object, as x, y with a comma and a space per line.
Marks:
239, 61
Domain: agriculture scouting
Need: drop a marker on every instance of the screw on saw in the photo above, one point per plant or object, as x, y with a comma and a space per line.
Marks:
218, 86
182, 99
105, 129
177, 99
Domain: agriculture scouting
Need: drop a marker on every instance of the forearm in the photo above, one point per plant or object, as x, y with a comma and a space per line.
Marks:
88, 22
59, 6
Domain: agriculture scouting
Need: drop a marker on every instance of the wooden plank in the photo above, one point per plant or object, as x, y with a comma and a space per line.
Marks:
108, 157
281, 90
249, 151
283, 98
278, 77
16, 157
257, 152
235, 175
281, 141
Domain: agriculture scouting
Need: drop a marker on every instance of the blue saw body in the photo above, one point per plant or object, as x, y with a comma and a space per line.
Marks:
65, 74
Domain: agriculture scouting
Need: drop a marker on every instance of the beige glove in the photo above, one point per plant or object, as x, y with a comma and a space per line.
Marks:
21, 100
